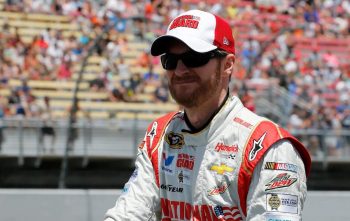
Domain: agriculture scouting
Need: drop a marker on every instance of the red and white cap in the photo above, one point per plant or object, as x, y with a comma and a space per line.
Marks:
201, 31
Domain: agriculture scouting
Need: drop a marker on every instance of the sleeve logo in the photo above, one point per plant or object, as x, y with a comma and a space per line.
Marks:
257, 146
280, 181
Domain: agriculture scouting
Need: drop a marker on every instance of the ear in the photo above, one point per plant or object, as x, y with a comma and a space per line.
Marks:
229, 64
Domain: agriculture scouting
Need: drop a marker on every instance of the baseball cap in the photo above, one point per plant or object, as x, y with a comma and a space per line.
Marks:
201, 31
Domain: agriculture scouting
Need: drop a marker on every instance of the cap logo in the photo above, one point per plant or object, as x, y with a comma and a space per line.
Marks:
225, 41
187, 21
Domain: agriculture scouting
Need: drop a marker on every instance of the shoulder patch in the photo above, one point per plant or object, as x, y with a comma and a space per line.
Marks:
261, 139
154, 134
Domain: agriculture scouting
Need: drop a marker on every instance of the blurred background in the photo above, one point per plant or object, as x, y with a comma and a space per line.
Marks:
78, 88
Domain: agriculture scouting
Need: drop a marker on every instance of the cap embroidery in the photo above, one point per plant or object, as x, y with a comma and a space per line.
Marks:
226, 41
187, 21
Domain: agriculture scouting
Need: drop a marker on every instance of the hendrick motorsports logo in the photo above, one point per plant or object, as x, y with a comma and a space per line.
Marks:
175, 140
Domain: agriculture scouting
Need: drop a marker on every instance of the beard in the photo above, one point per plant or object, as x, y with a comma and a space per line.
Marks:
189, 97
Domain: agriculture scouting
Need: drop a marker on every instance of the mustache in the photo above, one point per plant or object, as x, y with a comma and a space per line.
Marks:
189, 78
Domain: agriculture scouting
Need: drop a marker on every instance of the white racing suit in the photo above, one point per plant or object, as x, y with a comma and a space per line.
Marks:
239, 167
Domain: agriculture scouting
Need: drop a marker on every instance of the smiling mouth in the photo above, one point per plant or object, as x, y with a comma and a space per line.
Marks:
184, 82
187, 80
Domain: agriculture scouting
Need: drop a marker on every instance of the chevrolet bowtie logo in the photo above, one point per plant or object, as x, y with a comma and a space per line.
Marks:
221, 169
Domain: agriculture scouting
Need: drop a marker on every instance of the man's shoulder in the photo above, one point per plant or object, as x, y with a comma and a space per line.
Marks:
165, 119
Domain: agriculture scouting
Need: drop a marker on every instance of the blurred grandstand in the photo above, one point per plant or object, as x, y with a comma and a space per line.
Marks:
292, 66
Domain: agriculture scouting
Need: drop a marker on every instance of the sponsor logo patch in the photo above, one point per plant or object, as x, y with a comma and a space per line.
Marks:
221, 147
221, 169
132, 179
167, 165
257, 146
272, 217
227, 213
152, 133
218, 189
284, 203
242, 122
175, 140
281, 166
185, 161
180, 210
187, 21
184, 177
171, 188
280, 181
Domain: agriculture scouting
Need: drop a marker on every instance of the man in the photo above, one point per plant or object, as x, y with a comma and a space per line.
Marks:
215, 160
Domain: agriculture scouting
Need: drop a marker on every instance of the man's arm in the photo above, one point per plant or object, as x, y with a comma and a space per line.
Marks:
140, 197
278, 188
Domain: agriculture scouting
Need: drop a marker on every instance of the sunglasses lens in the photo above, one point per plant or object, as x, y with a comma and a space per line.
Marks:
169, 61
191, 59
194, 59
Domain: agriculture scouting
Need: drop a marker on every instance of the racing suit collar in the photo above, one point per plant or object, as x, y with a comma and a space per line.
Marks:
192, 129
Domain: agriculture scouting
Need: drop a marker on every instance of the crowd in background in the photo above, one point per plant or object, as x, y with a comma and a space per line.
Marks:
267, 34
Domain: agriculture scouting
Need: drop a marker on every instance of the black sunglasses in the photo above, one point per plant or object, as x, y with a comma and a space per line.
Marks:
190, 58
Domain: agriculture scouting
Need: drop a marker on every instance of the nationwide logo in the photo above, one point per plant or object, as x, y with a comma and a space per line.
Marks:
185, 161
179, 210
219, 189
187, 21
175, 140
281, 166
280, 181
257, 146
223, 168
221, 147
171, 188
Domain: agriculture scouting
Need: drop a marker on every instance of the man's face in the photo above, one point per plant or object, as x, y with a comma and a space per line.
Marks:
191, 87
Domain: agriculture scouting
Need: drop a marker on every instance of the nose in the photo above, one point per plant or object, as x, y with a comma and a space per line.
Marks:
181, 68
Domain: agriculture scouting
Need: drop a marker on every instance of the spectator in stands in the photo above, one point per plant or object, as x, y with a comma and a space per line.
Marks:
161, 94
118, 94
136, 84
151, 78
249, 54
308, 24
144, 59
345, 123
47, 128
64, 71
14, 5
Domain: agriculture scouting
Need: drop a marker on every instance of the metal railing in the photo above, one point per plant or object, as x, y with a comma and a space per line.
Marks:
120, 139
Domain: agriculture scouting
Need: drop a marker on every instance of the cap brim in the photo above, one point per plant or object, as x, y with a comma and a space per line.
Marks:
162, 43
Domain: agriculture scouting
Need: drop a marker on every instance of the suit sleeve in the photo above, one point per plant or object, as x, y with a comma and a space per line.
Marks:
278, 188
140, 197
